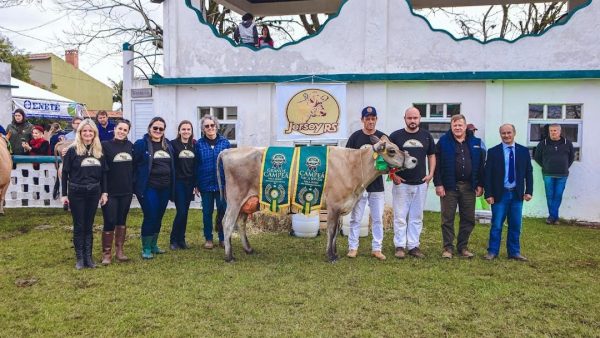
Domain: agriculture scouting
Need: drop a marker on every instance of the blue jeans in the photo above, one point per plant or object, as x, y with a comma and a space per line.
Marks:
510, 207
555, 186
208, 207
184, 194
154, 205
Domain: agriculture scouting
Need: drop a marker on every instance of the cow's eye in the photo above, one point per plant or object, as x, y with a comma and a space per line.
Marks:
391, 152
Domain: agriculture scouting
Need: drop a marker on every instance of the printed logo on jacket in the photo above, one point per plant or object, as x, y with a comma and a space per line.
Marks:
91, 162
186, 154
161, 154
122, 157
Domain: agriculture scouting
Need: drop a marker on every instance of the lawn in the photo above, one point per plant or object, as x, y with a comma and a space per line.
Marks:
288, 289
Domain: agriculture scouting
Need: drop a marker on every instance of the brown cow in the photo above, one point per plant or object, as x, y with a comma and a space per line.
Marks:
5, 170
350, 171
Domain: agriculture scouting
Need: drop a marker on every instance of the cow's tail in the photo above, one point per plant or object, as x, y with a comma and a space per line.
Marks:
219, 165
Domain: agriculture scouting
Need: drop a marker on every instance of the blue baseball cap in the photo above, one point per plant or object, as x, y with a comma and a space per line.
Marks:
368, 110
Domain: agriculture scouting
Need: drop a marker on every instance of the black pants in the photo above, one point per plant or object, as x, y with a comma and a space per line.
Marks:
83, 209
115, 211
464, 198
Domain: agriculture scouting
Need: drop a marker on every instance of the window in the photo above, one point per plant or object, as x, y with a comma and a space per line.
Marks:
567, 115
227, 117
435, 117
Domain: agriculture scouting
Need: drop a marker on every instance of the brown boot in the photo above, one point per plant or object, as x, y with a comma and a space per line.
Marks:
120, 232
107, 241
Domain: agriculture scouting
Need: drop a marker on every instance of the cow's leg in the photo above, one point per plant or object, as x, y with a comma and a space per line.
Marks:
231, 215
332, 230
2, 195
242, 221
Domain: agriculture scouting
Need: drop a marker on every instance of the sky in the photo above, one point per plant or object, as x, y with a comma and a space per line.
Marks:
39, 28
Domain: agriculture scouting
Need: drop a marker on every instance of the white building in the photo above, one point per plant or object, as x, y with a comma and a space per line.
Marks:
391, 59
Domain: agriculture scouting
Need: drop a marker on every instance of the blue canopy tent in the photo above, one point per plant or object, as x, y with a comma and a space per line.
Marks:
37, 102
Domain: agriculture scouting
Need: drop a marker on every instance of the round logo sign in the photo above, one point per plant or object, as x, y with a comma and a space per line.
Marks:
313, 112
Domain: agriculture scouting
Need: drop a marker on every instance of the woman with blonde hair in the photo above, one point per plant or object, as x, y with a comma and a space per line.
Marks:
154, 181
83, 184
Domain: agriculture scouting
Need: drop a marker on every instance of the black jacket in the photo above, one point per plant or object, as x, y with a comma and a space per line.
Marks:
555, 157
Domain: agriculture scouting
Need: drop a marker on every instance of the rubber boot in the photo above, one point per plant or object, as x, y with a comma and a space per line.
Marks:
88, 260
78, 246
107, 242
155, 248
147, 247
120, 232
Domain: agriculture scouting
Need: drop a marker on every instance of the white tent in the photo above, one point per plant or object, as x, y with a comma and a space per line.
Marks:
37, 102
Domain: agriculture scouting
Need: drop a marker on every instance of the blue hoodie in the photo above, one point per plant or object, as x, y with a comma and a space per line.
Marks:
142, 165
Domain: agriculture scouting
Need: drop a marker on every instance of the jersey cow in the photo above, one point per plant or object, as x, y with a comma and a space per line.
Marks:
5, 169
350, 171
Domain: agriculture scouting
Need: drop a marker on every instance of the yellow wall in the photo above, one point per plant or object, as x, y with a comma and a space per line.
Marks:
72, 83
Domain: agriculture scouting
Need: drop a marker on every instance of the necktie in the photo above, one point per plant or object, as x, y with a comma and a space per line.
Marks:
511, 165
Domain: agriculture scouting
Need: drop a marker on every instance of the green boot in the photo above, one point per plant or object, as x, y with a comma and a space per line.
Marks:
147, 247
155, 248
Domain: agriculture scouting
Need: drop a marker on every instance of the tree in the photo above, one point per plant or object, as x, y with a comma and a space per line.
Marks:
14, 3
501, 21
117, 87
18, 60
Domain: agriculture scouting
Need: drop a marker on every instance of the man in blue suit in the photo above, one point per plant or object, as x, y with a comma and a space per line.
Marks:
508, 181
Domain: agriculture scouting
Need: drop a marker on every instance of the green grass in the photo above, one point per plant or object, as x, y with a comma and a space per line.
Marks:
288, 289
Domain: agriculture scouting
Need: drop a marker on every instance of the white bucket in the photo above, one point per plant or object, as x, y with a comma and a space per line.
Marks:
305, 226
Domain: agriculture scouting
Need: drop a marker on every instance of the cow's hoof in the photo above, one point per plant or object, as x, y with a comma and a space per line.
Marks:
250, 251
229, 259
332, 258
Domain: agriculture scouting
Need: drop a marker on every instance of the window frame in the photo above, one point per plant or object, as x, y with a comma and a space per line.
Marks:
225, 120
544, 120
445, 118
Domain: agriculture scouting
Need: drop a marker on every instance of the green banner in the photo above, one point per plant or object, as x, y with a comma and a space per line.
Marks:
311, 173
275, 177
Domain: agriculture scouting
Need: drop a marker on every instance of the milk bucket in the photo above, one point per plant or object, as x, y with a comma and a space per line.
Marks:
305, 226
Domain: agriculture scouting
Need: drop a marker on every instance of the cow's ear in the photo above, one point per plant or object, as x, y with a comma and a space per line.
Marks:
385, 139
374, 139
379, 146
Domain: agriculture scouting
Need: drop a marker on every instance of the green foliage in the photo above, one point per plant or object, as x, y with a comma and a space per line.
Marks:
288, 289
18, 61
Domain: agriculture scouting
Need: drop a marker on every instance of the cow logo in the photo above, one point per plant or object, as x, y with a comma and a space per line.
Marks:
412, 143
313, 162
122, 157
161, 154
312, 112
91, 162
278, 160
186, 154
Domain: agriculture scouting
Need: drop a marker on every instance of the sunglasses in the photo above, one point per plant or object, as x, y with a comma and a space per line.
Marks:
207, 126
158, 128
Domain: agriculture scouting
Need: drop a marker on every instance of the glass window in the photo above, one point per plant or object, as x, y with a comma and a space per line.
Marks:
436, 110
219, 112
232, 113
573, 111
204, 111
536, 132
422, 109
554, 111
452, 109
227, 130
437, 129
536, 111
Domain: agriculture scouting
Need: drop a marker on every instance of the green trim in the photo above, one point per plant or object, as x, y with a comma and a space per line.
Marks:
34, 159
234, 44
447, 76
563, 21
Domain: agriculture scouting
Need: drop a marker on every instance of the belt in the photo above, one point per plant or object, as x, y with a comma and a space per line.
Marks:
509, 189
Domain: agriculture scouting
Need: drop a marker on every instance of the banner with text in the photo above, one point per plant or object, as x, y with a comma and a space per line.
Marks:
48, 109
311, 111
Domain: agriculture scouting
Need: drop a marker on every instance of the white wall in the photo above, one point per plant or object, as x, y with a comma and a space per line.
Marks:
5, 96
377, 37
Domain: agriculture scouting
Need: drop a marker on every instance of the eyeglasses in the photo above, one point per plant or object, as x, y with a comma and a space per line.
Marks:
207, 126
158, 128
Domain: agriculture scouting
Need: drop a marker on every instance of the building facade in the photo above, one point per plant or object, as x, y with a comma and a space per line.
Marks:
390, 58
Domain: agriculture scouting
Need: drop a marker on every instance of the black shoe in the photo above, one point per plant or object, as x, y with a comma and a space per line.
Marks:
88, 260
550, 220
78, 246
183, 245
174, 247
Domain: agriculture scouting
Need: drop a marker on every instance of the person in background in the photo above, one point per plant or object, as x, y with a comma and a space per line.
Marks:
374, 193
508, 181
185, 181
265, 39
83, 184
38, 145
154, 178
410, 186
19, 132
55, 135
2, 130
105, 127
208, 147
458, 179
555, 154
246, 33
74, 124
119, 160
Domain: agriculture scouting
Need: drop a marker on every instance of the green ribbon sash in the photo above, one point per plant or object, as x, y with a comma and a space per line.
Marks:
275, 177
311, 174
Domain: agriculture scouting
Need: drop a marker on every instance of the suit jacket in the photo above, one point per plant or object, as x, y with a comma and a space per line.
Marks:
494, 172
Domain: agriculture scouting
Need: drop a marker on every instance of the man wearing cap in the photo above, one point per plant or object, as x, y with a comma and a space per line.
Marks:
410, 185
458, 180
374, 193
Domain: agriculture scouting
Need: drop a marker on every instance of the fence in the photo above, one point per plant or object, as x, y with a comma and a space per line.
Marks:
33, 187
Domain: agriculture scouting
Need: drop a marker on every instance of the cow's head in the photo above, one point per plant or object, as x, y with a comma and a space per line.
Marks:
391, 154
